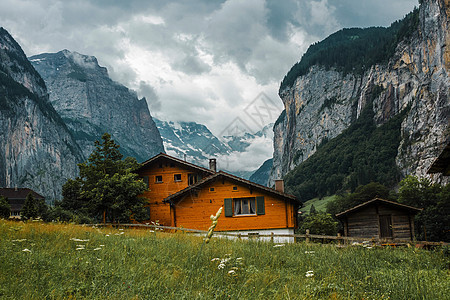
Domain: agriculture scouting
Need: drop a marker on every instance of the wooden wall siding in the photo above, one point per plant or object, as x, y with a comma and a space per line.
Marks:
365, 222
157, 192
194, 210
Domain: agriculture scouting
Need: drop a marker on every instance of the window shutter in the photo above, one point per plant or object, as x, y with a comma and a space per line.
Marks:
146, 180
227, 203
260, 208
147, 208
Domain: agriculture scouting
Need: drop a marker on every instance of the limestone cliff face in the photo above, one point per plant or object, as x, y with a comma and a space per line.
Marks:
90, 103
36, 149
322, 103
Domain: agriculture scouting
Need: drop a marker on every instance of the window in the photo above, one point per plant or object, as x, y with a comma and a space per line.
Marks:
158, 179
211, 189
234, 188
177, 177
192, 178
244, 206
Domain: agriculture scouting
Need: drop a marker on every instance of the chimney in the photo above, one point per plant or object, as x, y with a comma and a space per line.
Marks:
213, 164
279, 185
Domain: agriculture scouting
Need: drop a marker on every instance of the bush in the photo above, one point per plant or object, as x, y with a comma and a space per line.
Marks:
319, 223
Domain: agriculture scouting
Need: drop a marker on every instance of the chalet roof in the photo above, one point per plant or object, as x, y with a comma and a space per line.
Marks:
222, 174
442, 162
18, 193
378, 200
174, 159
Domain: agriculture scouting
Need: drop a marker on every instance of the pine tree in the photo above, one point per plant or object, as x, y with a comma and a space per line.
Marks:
5, 208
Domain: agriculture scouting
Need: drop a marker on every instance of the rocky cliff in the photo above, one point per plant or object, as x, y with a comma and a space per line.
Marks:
90, 103
324, 101
36, 148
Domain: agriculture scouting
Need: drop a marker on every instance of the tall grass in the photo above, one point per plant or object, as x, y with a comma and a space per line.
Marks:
138, 264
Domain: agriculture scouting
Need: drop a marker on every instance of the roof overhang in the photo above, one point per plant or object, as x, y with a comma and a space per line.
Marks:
413, 210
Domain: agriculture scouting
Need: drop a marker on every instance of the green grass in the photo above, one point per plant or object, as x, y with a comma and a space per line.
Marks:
320, 204
138, 264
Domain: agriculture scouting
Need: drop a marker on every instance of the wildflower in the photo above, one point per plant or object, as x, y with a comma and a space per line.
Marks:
309, 252
214, 259
97, 249
214, 224
107, 235
99, 259
309, 273
21, 240
239, 258
26, 250
232, 272
278, 245
102, 245
221, 266
79, 240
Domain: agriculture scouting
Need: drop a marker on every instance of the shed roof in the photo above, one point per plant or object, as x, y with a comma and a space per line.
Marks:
161, 156
18, 193
222, 174
412, 209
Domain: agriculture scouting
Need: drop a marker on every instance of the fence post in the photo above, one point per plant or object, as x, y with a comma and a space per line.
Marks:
239, 236
339, 238
307, 235
271, 237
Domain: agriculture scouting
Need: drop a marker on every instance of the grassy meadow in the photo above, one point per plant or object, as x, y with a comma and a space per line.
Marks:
63, 261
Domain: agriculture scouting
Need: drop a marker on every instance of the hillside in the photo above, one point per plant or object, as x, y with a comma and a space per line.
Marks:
36, 148
340, 79
90, 103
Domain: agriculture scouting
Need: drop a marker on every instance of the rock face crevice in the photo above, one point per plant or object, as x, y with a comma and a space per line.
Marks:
322, 103
91, 104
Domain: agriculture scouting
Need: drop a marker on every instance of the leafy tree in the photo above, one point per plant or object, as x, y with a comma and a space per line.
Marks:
319, 223
432, 223
5, 208
33, 208
107, 188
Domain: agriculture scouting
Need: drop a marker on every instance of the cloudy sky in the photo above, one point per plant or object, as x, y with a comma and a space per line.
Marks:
203, 61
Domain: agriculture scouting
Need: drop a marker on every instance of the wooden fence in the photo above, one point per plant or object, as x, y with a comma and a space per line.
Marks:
297, 237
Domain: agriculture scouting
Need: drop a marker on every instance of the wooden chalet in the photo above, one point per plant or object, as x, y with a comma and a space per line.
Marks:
185, 195
380, 219
16, 198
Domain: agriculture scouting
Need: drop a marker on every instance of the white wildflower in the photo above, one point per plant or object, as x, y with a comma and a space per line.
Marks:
102, 245
26, 250
278, 245
221, 266
79, 240
239, 258
309, 273
309, 252
99, 259
231, 272
120, 229
214, 259
21, 240
80, 248
99, 248
107, 235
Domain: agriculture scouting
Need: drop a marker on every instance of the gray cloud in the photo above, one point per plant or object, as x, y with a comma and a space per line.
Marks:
191, 59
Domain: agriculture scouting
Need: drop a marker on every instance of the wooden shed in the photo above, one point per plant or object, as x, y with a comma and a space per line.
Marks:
379, 218
16, 198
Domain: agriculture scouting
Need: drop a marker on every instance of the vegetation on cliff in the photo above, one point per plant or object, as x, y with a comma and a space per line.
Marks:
354, 50
360, 154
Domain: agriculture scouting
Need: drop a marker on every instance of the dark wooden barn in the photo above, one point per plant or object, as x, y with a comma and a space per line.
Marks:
381, 219
16, 198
